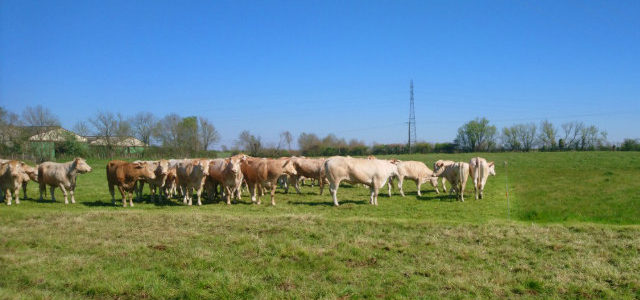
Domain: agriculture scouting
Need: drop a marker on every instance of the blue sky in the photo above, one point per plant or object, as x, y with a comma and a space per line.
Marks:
338, 67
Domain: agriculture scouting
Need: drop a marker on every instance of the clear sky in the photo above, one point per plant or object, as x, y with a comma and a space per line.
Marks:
338, 67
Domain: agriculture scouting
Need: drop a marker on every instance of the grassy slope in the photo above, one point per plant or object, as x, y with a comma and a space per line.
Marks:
428, 246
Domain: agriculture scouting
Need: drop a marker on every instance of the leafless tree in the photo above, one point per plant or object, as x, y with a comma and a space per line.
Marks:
249, 143
207, 133
110, 127
39, 116
285, 138
572, 133
81, 128
142, 125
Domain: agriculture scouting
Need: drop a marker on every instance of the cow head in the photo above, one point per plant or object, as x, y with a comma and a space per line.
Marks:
162, 167
437, 165
492, 168
146, 169
81, 165
394, 161
289, 168
201, 166
31, 172
371, 157
233, 164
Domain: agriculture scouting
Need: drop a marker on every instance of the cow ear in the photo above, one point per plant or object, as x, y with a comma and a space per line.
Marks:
491, 164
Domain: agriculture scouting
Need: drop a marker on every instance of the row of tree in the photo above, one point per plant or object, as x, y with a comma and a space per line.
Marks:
479, 135
172, 134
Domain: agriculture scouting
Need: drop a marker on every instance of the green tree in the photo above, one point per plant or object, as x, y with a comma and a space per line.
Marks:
476, 135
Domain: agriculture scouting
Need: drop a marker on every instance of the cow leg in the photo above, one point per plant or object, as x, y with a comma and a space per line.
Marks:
273, 194
16, 194
199, 193
72, 193
131, 199
184, 192
64, 193
296, 183
52, 189
333, 189
418, 184
252, 191
371, 201
112, 192
42, 188
444, 186
321, 184
24, 189
228, 191
7, 194
400, 184
389, 185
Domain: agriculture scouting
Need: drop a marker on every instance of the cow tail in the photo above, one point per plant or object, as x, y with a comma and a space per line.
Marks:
480, 174
460, 170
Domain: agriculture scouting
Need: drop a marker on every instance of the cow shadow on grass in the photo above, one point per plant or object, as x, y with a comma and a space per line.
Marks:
442, 197
327, 203
108, 203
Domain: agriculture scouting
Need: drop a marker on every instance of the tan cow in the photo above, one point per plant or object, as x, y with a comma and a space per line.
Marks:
31, 173
264, 172
227, 173
371, 172
191, 176
416, 171
62, 175
436, 166
11, 177
124, 175
312, 168
457, 174
170, 187
161, 169
480, 170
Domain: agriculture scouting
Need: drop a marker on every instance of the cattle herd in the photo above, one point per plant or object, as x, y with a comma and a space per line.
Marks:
226, 178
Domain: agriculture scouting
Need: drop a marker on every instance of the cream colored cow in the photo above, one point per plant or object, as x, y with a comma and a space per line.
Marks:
457, 174
371, 172
436, 166
416, 171
480, 170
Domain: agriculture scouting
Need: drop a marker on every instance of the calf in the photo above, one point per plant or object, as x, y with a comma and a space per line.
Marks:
416, 171
170, 187
480, 170
124, 175
31, 173
260, 172
371, 172
191, 176
11, 176
226, 172
62, 175
436, 166
457, 174
161, 169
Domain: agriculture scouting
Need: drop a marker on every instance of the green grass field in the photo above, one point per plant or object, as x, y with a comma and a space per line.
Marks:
570, 231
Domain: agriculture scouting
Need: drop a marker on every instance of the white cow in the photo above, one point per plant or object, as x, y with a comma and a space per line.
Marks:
416, 171
480, 170
457, 174
191, 176
439, 164
371, 172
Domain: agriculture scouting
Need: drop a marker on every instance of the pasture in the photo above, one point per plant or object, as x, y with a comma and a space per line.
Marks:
570, 231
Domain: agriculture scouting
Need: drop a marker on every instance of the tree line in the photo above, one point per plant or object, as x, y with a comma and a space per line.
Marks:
194, 136
171, 135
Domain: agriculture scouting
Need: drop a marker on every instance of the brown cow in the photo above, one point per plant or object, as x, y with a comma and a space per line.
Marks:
124, 175
62, 175
259, 172
11, 176
228, 174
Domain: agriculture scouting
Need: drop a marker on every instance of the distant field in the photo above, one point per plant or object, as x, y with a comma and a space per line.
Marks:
571, 231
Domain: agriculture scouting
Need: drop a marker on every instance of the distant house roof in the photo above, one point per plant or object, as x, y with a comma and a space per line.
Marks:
119, 141
50, 134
